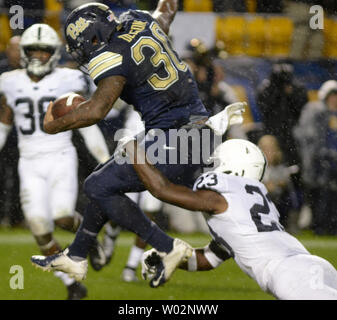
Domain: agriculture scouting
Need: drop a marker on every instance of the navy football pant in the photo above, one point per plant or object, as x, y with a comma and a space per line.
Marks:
105, 188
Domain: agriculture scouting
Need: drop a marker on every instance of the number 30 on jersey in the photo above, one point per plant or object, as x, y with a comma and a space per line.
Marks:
162, 54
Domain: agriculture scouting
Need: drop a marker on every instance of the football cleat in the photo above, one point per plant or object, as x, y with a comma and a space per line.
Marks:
62, 262
97, 256
129, 274
159, 266
76, 291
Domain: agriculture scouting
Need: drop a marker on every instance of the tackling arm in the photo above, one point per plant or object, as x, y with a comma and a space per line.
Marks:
89, 112
6, 120
165, 13
207, 258
202, 259
202, 200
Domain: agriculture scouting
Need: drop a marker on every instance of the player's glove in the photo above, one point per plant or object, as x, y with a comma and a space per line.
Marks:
231, 115
120, 149
150, 261
159, 266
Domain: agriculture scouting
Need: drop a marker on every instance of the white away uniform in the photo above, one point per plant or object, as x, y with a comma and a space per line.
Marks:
249, 230
48, 163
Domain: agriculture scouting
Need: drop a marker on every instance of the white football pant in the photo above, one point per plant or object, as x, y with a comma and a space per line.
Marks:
304, 277
48, 189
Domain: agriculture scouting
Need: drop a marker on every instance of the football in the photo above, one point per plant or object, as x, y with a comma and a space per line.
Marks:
66, 103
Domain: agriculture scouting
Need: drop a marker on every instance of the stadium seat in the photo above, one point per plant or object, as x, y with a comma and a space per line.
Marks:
231, 30
255, 36
251, 5
198, 5
279, 31
5, 33
330, 38
52, 16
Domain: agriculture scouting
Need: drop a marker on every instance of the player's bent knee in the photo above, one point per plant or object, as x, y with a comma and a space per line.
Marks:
89, 187
95, 186
63, 212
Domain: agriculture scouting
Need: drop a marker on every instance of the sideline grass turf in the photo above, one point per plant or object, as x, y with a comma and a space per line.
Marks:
227, 282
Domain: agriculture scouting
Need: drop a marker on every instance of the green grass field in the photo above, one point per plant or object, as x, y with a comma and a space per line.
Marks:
227, 282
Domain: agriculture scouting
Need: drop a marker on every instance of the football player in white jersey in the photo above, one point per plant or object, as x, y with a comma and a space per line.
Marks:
48, 163
244, 225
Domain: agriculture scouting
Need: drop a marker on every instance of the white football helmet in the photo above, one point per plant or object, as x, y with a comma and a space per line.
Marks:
241, 158
40, 36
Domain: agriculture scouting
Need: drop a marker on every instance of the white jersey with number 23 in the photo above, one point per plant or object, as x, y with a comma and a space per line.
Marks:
251, 232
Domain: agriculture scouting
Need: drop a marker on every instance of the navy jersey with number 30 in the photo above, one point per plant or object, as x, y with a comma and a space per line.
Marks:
158, 84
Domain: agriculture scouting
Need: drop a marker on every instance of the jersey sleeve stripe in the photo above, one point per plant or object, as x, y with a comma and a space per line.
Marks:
105, 66
92, 69
101, 57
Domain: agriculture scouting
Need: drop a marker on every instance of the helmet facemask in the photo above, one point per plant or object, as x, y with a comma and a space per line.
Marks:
37, 67
96, 24
43, 38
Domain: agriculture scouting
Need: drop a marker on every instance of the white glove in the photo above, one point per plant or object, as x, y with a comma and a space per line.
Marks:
120, 149
232, 114
148, 271
153, 268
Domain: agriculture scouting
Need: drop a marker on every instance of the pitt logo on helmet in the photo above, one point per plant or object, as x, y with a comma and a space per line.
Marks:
75, 29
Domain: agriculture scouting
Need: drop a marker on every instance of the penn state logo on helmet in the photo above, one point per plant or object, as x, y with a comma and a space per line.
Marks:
87, 29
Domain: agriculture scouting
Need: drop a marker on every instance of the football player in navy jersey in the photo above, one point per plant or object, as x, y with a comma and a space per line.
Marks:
132, 58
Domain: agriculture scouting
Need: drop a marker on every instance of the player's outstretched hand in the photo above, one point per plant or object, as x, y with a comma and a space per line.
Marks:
153, 268
235, 111
160, 266
231, 115
148, 269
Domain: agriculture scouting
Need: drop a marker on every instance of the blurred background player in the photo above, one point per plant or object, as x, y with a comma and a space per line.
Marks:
48, 163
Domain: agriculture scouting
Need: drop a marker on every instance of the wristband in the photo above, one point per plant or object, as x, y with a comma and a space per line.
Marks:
192, 264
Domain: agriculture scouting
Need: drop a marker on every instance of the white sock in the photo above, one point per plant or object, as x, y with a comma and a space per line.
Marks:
134, 257
64, 277
112, 231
